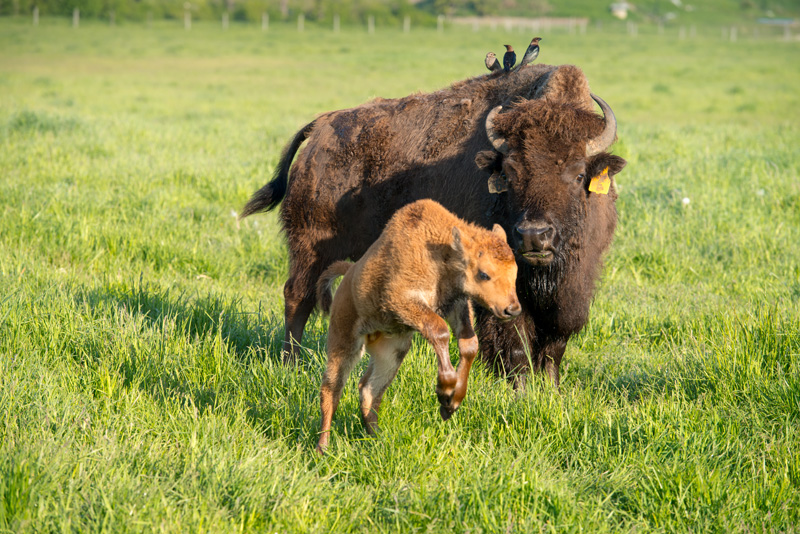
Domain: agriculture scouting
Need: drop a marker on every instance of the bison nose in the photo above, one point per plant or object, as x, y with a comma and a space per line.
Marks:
535, 236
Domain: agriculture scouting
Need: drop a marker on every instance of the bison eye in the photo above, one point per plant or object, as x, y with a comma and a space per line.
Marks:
483, 276
581, 177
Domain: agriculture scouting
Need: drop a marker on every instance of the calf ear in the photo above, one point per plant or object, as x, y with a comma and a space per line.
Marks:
456, 243
497, 229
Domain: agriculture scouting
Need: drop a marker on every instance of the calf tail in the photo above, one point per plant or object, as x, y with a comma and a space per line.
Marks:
271, 194
325, 283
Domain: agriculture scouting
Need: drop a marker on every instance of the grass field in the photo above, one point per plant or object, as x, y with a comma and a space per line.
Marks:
140, 384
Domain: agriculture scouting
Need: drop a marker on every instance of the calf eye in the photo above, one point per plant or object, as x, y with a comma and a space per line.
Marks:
483, 276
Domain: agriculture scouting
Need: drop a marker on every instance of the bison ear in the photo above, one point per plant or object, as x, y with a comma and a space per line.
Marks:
614, 163
488, 160
498, 230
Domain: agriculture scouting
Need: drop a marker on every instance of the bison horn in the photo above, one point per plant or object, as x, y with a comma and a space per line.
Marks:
499, 143
604, 140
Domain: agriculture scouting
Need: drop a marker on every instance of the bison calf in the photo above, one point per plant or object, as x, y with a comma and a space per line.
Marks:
424, 267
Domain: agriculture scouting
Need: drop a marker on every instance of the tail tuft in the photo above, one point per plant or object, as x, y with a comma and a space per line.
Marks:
269, 196
325, 284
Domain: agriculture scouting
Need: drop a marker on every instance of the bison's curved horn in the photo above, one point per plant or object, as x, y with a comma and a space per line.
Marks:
499, 143
604, 140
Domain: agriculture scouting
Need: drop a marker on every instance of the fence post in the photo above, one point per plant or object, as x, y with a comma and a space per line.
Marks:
681, 33
225, 20
111, 16
371, 24
336, 23
187, 16
35, 15
440, 23
76, 17
264, 21
301, 22
734, 32
406, 24
787, 33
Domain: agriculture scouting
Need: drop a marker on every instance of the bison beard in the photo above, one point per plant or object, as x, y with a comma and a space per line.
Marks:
363, 164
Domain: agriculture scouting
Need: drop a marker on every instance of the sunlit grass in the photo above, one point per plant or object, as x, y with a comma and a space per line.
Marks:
140, 384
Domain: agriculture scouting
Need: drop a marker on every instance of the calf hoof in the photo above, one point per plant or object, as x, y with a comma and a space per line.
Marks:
447, 411
445, 399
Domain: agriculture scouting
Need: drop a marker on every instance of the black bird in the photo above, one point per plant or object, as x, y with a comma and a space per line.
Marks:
492, 63
531, 53
509, 58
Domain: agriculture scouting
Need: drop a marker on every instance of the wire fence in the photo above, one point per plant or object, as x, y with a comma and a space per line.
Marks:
786, 31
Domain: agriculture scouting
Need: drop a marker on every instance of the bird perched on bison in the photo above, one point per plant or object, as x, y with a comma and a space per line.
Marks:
417, 277
531, 53
509, 58
492, 63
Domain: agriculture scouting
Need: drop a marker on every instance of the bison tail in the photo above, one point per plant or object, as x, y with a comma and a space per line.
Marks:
271, 194
325, 284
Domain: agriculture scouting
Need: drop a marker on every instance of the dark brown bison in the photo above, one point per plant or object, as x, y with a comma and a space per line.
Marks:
520, 149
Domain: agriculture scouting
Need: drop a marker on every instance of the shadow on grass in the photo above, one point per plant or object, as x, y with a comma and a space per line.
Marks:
206, 318
202, 352
196, 316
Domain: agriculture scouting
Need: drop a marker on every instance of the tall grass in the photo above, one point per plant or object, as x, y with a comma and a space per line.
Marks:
140, 384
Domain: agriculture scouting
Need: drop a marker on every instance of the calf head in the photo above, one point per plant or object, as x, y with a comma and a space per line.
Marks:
553, 162
490, 272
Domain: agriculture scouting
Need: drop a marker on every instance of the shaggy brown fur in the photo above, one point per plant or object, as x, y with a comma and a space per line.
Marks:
421, 270
362, 164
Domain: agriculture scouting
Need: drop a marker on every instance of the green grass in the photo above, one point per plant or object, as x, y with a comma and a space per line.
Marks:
140, 386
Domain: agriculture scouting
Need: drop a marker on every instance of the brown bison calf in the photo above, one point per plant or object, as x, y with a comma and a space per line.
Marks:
424, 267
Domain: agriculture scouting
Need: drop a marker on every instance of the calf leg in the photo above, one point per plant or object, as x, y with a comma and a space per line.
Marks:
461, 322
434, 329
387, 353
345, 347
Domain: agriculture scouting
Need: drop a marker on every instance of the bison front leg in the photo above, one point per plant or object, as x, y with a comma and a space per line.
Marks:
516, 347
551, 354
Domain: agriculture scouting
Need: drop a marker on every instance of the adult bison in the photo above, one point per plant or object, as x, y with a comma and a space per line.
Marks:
520, 149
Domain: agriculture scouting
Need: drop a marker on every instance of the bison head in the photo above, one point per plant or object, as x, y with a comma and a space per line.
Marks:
547, 153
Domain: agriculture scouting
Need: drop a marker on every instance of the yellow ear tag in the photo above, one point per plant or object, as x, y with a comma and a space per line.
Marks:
600, 183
